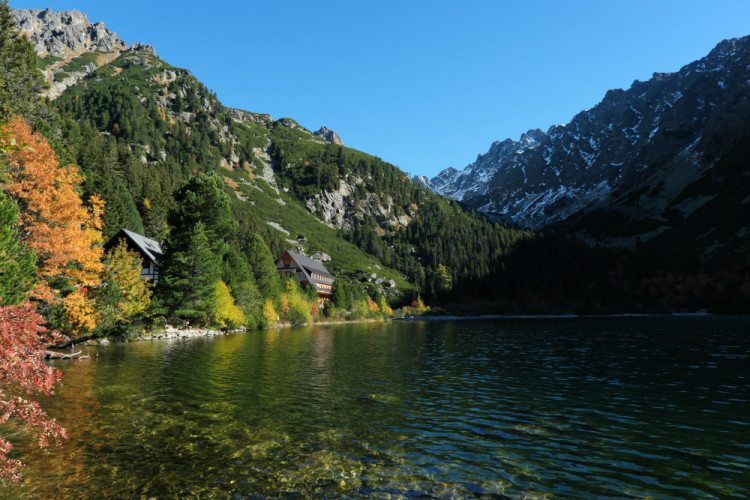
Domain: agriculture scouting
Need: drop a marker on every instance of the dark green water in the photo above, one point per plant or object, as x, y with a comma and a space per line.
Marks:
589, 408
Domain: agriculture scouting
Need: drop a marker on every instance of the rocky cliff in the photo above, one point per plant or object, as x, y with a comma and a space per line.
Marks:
69, 45
62, 33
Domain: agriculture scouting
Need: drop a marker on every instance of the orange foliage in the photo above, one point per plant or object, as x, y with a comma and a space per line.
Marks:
372, 305
53, 221
80, 310
314, 310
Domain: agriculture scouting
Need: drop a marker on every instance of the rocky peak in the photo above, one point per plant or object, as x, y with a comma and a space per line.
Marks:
329, 135
291, 123
60, 33
423, 181
532, 137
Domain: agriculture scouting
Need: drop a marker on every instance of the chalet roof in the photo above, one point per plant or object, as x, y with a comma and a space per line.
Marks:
310, 265
150, 247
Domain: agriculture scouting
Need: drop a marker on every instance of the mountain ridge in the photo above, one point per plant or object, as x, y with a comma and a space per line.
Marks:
139, 128
669, 130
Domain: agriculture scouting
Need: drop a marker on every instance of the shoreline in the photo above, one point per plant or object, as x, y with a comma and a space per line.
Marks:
171, 332
700, 314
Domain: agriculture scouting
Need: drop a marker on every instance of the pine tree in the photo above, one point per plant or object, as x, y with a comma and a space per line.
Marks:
203, 199
239, 277
341, 295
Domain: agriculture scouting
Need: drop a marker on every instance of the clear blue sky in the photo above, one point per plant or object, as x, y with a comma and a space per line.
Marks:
422, 84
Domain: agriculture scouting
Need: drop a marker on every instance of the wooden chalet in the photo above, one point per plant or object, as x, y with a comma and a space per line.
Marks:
148, 249
309, 271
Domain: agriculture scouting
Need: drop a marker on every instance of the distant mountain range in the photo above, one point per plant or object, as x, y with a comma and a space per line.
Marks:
645, 159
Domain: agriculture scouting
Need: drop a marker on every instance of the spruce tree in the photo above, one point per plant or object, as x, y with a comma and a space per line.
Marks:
190, 271
264, 269
341, 295
17, 263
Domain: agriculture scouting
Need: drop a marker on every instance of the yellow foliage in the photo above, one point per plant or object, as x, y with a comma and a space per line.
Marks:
124, 271
384, 307
285, 303
227, 314
269, 313
80, 311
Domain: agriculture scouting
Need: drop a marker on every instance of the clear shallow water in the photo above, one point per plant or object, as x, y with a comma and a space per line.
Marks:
589, 408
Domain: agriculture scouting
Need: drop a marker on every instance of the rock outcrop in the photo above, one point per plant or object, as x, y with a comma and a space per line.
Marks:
61, 33
329, 135
241, 115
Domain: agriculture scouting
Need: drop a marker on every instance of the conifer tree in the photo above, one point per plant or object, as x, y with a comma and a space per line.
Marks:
341, 295
19, 78
264, 269
17, 263
239, 278
190, 271
203, 199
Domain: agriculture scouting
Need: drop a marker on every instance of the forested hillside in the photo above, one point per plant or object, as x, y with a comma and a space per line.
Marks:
139, 128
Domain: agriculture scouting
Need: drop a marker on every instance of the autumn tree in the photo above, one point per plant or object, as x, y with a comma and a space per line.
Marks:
23, 338
54, 223
123, 296
23, 373
227, 314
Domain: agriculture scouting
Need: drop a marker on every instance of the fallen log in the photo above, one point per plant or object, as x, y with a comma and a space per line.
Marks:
68, 343
60, 355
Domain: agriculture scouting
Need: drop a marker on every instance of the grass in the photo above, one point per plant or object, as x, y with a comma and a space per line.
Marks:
43, 62
77, 64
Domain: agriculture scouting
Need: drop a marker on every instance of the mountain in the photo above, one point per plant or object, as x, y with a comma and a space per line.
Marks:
139, 128
646, 156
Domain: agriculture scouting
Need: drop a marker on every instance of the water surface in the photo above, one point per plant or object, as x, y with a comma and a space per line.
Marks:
588, 408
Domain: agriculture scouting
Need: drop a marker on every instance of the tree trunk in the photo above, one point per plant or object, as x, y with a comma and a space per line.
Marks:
71, 342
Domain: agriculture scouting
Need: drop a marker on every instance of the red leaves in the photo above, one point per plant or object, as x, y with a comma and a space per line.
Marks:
23, 340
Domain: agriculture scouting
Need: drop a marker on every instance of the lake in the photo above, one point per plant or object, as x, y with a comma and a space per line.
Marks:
516, 408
